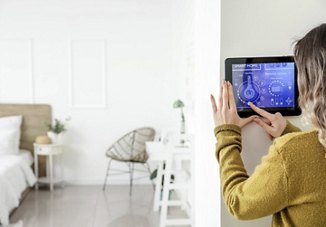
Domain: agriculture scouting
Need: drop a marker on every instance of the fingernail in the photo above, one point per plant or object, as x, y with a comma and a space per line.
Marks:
249, 103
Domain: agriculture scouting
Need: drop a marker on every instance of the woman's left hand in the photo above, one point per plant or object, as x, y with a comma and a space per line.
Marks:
226, 112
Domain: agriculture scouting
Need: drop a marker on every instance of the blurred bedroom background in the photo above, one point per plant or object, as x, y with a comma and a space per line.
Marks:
107, 68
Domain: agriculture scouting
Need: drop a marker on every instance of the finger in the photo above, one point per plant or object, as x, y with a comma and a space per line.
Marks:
265, 126
220, 98
213, 104
245, 121
266, 120
261, 112
231, 97
225, 96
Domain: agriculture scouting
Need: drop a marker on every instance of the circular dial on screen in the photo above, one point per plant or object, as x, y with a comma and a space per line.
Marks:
248, 91
275, 88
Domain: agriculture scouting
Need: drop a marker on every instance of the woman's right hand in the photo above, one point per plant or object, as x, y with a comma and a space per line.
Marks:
273, 124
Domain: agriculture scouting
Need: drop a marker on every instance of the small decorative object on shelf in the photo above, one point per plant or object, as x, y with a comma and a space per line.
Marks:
43, 140
179, 104
56, 130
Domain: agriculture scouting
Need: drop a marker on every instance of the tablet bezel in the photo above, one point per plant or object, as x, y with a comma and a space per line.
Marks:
285, 111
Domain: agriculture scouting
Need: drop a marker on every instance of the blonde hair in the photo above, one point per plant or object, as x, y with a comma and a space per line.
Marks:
310, 58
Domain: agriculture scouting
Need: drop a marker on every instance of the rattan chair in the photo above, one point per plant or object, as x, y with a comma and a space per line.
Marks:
130, 149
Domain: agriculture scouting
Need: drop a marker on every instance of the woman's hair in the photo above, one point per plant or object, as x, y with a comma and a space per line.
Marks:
310, 58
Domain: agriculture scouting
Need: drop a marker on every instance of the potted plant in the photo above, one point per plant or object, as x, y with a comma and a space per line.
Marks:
55, 130
180, 105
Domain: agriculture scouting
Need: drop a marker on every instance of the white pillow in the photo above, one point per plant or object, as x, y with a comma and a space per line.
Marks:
12, 123
8, 142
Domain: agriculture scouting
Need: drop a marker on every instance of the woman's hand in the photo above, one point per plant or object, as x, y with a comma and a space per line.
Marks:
274, 124
226, 112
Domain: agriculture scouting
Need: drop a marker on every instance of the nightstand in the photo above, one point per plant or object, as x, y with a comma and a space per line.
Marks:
48, 150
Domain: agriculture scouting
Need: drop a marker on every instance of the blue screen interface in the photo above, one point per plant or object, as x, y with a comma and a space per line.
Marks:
267, 85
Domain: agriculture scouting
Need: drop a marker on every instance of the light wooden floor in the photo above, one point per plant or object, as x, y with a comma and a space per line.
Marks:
88, 206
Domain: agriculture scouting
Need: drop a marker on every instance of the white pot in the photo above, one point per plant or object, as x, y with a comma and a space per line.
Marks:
55, 138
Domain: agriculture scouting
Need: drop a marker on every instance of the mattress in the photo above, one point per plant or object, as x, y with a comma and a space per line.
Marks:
26, 156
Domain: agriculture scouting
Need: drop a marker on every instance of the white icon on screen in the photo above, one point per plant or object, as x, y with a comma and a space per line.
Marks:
288, 101
249, 92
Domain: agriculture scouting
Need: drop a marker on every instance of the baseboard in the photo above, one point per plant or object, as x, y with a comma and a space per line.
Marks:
101, 181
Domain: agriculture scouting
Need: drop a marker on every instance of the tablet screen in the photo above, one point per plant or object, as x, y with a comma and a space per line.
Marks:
268, 82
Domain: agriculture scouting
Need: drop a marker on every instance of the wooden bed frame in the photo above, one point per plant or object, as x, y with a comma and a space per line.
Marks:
35, 118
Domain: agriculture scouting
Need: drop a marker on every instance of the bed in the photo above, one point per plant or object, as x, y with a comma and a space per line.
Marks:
16, 171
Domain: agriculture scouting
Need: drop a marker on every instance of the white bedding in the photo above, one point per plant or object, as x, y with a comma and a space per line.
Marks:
26, 156
15, 176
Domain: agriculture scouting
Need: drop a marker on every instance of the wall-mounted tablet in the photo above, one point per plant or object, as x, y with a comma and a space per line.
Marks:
268, 82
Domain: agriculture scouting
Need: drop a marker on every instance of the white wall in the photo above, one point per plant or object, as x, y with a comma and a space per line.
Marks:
263, 28
117, 58
206, 176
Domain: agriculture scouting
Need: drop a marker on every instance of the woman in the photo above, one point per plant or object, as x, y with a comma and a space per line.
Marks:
290, 183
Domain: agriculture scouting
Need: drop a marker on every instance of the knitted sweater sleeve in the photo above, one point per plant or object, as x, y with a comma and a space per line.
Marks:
264, 193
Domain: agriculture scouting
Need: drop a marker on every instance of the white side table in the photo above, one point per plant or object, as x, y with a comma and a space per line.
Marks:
48, 150
170, 155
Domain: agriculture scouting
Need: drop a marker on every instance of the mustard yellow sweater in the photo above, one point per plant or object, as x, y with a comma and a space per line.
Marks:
290, 182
